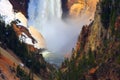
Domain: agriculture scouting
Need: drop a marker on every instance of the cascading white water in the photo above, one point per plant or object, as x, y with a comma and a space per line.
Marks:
41, 11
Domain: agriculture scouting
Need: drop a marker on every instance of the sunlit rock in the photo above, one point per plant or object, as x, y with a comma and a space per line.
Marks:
39, 38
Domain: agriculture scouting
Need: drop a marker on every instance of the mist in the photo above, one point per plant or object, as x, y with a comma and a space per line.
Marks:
61, 36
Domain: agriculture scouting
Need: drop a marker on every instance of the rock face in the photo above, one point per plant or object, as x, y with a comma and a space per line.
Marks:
75, 8
38, 37
96, 55
20, 6
65, 8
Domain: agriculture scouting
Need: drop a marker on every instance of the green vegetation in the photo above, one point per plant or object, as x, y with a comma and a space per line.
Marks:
74, 71
109, 13
112, 20
22, 74
118, 59
105, 12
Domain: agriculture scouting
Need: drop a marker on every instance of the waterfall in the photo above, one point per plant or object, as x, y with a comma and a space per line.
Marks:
41, 11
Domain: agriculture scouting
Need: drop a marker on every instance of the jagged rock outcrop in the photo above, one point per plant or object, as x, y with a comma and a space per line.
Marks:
19, 30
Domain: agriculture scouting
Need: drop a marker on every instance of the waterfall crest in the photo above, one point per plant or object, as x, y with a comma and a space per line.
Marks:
41, 11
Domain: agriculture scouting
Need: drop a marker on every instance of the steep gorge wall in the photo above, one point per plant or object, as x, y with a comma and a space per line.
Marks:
96, 55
